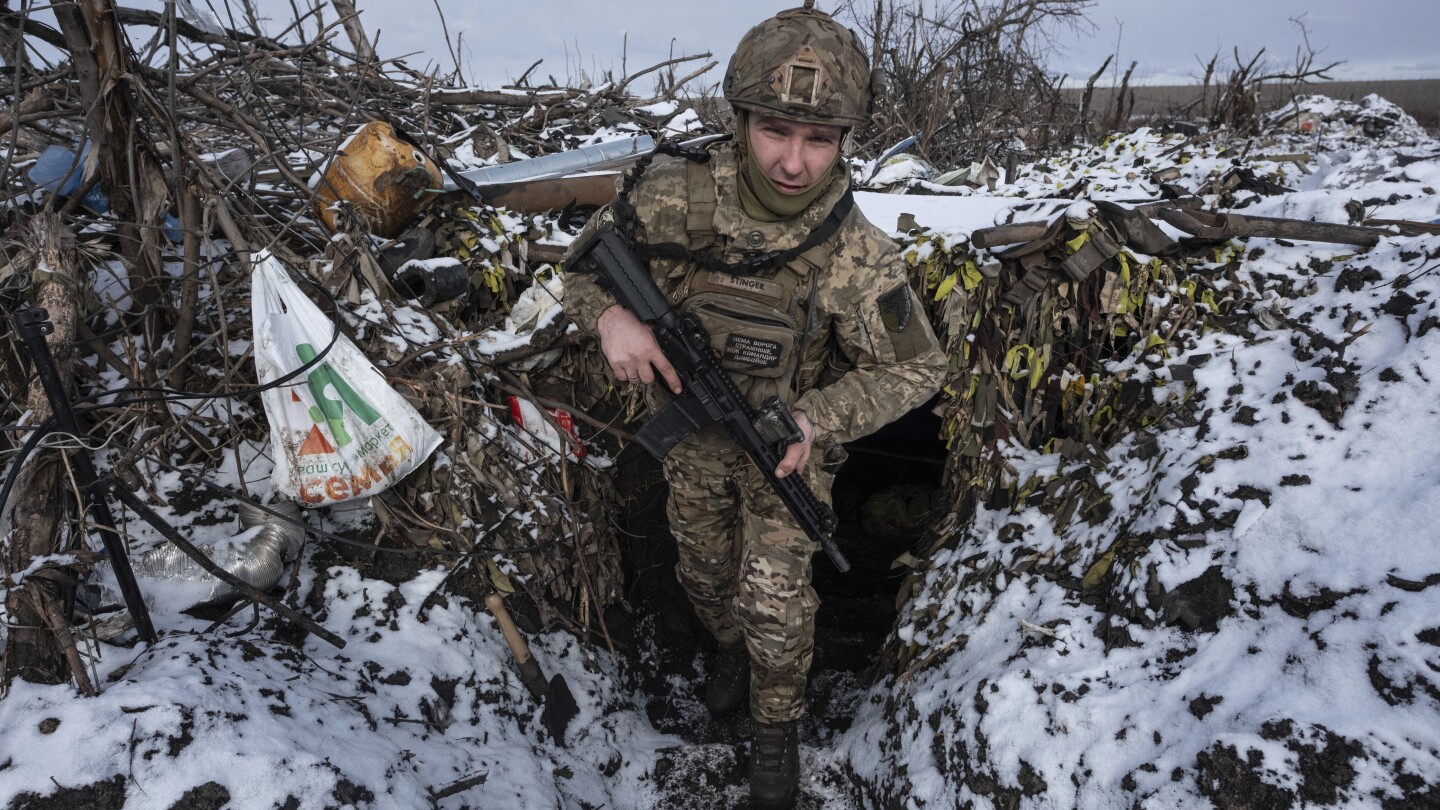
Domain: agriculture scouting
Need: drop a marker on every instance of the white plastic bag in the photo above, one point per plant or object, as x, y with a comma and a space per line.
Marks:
338, 432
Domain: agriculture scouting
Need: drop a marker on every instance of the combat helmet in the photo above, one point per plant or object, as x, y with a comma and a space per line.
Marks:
803, 65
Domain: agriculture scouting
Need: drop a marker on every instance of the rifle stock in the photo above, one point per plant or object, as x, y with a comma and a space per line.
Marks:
709, 394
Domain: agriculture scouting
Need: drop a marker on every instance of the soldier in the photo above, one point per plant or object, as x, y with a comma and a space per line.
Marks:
821, 315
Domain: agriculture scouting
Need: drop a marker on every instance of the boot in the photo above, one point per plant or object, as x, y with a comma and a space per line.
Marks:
775, 765
729, 683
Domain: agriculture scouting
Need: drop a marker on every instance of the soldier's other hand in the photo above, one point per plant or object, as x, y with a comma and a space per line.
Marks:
630, 348
797, 455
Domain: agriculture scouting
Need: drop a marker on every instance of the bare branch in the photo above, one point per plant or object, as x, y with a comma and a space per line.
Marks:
620, 89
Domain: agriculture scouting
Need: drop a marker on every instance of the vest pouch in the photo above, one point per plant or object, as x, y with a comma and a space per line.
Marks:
750, 338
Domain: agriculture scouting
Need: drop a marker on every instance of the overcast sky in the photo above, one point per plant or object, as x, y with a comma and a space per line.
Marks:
1377, 39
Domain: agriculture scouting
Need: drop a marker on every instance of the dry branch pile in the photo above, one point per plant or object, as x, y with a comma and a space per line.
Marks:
968, 77
209, 146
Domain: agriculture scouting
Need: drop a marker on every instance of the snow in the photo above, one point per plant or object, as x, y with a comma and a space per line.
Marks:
1346, 524
269, 721
1009, 685
949, 215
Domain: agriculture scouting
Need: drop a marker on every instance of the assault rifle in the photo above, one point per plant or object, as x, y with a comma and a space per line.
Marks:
709, 394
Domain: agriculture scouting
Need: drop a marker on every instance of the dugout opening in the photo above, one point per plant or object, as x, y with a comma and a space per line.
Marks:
885, 497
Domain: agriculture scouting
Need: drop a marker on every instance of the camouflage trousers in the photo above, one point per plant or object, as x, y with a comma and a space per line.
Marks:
746, 566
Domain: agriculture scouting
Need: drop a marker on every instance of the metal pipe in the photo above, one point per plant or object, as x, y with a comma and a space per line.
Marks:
259, 561
32, 324
588, 158
608, 155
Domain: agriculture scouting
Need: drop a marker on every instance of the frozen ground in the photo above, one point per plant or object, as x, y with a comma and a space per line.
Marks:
1306, 483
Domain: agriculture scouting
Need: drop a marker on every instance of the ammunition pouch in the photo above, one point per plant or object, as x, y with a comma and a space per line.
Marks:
750, 339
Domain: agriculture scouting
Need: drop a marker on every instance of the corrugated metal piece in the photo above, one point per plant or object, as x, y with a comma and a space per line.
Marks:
260, 561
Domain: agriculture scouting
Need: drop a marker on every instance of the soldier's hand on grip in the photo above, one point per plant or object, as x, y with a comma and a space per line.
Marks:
630, 348
797, 455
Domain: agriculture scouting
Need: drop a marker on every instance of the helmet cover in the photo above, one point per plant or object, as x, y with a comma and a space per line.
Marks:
802, 65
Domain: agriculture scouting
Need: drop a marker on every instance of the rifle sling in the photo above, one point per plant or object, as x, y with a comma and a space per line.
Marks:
758, 264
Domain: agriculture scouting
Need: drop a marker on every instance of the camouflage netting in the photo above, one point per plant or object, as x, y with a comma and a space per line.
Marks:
1058, 376
1132, 600
1053, 372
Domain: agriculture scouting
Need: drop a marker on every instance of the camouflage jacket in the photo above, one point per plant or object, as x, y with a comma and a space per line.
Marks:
867, 352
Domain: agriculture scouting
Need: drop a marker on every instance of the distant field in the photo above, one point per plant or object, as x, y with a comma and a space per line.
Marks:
1419, 97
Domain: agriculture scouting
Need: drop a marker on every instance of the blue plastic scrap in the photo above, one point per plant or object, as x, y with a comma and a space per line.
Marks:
58, 170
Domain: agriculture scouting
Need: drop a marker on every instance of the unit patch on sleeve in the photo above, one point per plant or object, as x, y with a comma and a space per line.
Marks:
752, 352
895, 308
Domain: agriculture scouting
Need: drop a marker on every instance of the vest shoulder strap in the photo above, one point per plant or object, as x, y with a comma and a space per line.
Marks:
700, 213
701, 205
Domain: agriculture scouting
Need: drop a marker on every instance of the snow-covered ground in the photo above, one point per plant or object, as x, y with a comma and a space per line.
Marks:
1294, 510
1280, 644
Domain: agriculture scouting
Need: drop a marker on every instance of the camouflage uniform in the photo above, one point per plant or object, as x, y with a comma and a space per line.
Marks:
865, 356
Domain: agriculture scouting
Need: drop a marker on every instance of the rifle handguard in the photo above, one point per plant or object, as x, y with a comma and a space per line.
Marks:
709, 394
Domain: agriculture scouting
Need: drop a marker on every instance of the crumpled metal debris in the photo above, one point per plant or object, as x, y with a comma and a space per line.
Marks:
269, 544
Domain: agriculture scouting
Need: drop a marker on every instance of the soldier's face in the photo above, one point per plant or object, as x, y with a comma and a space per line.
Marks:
793, 155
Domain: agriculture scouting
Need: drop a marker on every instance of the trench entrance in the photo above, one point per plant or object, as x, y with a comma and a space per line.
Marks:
883, 497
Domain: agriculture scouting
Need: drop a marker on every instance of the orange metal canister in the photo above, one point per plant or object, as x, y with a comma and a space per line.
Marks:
387, 180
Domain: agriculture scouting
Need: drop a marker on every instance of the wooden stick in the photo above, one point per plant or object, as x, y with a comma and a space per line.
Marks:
1208, 225
530, 673
37, 102
66, 637
353, 29
1407, 226
493, 98
189, 284
668, 62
